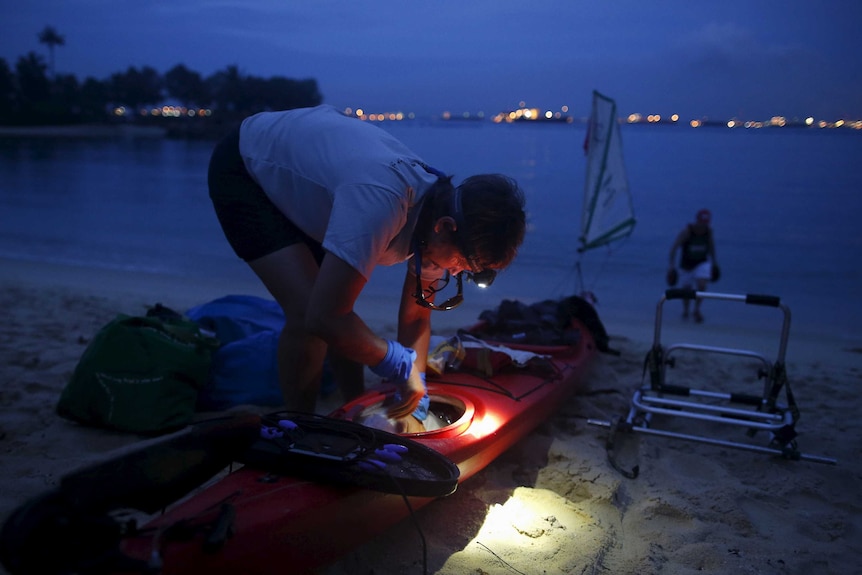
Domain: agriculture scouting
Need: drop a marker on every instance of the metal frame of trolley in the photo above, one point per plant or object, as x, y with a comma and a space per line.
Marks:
657, 401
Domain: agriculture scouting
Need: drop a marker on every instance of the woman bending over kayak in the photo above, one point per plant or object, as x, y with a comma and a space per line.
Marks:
313, 200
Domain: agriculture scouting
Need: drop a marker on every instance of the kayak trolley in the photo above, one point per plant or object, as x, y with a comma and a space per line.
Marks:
656, 404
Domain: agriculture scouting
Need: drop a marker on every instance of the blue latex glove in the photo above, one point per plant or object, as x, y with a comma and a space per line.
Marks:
396, 364
396, 367
421, 411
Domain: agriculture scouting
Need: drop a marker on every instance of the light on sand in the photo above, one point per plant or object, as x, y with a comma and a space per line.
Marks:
530, 528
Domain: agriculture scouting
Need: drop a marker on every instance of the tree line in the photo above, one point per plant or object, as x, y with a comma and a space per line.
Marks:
32, 93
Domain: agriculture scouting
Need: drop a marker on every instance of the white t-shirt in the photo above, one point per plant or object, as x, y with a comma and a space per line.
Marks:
346, 183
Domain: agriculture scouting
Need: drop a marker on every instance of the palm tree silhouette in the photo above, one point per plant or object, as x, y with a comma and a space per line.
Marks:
51, 38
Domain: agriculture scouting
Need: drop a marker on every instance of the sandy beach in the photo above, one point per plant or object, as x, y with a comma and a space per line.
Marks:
551, 505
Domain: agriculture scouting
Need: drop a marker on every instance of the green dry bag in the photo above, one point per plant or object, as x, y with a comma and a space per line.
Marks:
140, 374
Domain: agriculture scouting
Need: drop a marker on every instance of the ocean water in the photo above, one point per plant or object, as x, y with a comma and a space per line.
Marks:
786, 208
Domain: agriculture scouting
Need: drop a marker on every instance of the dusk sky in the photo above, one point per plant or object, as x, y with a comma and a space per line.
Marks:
750, 59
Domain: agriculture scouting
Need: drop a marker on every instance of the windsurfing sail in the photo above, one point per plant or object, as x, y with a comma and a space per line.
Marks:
608, 213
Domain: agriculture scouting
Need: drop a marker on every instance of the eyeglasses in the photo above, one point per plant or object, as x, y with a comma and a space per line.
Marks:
436, 286
482, 279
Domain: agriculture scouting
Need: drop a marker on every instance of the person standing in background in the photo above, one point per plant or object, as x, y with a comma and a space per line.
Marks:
697, 262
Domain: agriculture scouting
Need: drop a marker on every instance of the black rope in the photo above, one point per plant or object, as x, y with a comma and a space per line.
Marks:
414, 520
498, 388
500, 559
494, 387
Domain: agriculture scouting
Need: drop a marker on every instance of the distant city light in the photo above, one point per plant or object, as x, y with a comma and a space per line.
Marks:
531, 115
522, 114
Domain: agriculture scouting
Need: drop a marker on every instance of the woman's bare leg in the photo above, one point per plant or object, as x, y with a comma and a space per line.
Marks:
289, 275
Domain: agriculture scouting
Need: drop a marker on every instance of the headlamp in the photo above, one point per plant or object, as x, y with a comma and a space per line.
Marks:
483, 278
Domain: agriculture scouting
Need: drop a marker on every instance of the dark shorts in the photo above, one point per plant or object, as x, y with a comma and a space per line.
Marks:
252, 224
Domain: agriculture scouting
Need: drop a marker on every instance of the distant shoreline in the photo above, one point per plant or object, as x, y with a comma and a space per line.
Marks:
82, 131
215, 130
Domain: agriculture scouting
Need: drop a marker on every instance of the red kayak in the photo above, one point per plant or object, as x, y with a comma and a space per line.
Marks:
260, 518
